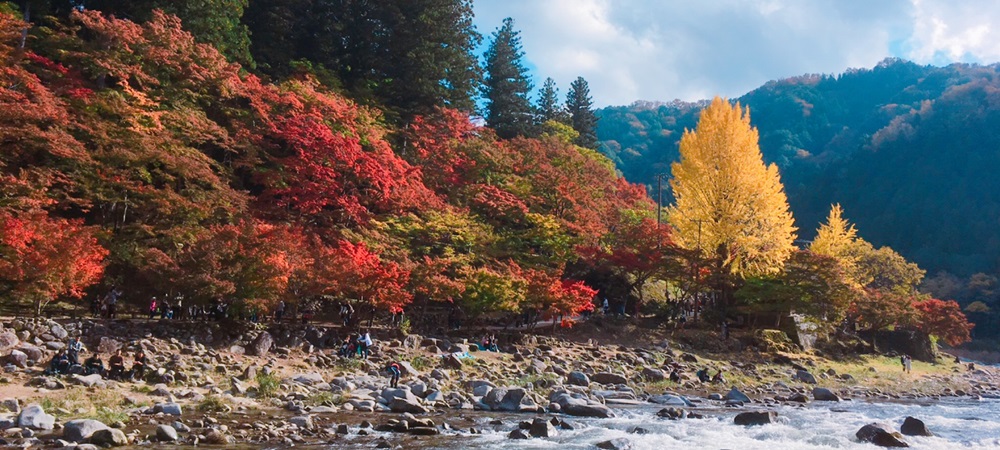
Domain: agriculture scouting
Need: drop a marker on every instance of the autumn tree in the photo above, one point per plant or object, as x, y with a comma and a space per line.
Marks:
507, 84
837, 238
943, 319
727, 200
44, 258
579, 106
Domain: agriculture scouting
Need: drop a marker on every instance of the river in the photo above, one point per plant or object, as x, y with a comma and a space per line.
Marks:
957, 424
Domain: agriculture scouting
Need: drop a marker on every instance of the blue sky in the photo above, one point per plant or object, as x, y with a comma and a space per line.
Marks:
662, 50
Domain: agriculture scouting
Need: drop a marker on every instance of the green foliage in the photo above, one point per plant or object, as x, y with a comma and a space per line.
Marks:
507, 84
580, 108
213, 404
267, 385
421, 362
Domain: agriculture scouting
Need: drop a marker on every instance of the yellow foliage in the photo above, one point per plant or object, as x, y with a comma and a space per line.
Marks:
728, 202
837, 238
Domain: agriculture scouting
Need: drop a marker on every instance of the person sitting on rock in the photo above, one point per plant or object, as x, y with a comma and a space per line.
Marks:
94, 365
394, 371
59, 364
139, 365
116, 366
703, 375
718, 378
491, 343
347, 348
675, 375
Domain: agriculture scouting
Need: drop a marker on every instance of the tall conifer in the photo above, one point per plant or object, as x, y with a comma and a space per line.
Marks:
579, 106
506, 87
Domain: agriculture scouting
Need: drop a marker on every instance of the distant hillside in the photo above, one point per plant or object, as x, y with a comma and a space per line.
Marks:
911, 152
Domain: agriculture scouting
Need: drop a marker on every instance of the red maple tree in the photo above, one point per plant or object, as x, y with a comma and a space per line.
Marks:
943, 319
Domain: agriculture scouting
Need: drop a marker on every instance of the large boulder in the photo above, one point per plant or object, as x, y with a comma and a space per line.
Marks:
58, 331
8, 340
33, 416
406, 405
654, 375
805, 377
914, 427
308, 379
753, 418
166, 433
34, 353
579, 406
18, 359
609, 378
615, 444
92, 380
171, 408
262, 344
109, 437
542, 428
881, 435
81, 430
578, 378
108, 346
736, 396
670, 399
824, 394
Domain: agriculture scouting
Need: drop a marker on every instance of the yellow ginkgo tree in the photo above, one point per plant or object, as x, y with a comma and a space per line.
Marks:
728, 203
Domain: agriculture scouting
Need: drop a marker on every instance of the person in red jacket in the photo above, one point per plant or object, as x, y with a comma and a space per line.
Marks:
394, 372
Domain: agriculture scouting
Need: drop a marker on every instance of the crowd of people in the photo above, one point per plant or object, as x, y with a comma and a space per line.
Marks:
359, 345
67, 361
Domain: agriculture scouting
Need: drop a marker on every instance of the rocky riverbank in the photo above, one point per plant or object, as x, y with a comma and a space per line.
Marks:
281, 385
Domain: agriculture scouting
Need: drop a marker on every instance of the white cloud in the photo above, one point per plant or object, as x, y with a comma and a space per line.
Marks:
665, 49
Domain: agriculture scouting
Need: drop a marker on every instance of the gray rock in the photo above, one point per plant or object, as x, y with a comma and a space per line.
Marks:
33, 416
542, 428
579, 407
304, 422
170, 408
108, 346
166, 433
670, 399
578, 378
18, 359
262, 344
672, 413
55, 345
92, 380
308, 379
824, 394
8, 340
109, 437
653, 375
81, 430
914, 427
11, 404
805, 377
881, 435
406, 405
518, 434
735, 395
217, 437
615, 444
34, 353
609, 378
752, 418
58, 331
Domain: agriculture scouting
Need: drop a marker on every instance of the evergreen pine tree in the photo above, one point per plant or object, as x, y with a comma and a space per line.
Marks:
549, 106
583, 119
506, 87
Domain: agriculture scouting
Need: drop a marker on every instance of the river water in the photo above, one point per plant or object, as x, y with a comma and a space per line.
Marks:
956, 423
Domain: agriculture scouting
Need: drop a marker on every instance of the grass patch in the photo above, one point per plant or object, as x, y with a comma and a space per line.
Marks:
214, 403
352, 364
267, 385
109, 415
141, 388
326, 398
421, 362
106, 405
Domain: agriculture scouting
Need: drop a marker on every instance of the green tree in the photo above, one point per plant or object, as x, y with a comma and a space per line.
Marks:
580, 108
506, 87
548, 107
727, 199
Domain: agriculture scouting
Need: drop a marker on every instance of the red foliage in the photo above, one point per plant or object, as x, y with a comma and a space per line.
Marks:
943, 319
434, 144
357, 273
44, 258
557, 297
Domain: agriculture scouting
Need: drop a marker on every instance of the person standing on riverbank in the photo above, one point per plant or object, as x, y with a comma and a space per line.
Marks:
907, 364
394, 372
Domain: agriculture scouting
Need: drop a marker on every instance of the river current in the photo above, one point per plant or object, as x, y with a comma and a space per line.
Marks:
956, 423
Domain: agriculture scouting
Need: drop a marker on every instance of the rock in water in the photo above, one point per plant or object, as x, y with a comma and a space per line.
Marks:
166, 433
672, 413
518, 434
33, 416
735, 395
542, 428
752, 418
615, 444
406, 405
109, 438
81, 430
824, 394
914, 427
881, 435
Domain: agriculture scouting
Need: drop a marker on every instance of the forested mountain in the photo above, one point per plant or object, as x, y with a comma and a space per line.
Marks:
911, 153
